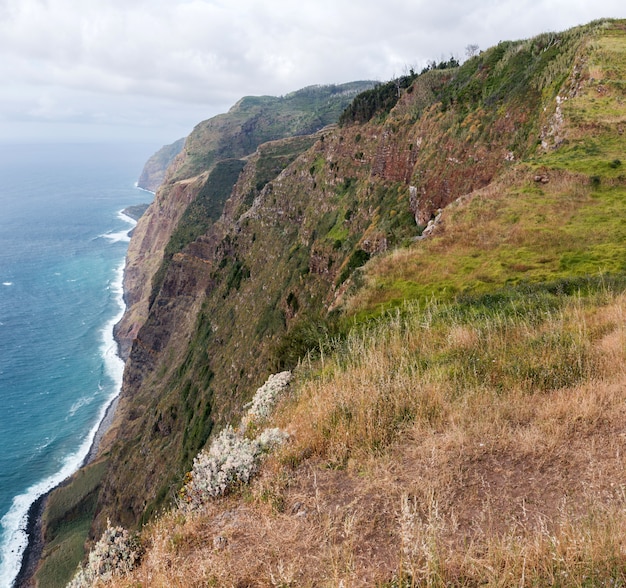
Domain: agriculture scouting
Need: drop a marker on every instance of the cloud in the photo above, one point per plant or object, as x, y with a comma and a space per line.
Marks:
107, 59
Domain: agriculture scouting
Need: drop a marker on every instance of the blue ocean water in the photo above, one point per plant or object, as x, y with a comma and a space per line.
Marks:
62, 247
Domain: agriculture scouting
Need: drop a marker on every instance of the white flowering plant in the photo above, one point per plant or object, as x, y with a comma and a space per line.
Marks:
116, 553
233, 458
266, 397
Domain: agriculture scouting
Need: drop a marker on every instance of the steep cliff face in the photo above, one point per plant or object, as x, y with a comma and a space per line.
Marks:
230, 136
225, 286
254, 292
473, 434
145, 253
154, 170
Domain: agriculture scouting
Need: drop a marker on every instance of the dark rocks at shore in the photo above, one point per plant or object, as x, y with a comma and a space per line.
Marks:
32, 554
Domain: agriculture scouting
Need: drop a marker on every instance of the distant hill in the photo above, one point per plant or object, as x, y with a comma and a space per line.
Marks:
254, 120
154, 170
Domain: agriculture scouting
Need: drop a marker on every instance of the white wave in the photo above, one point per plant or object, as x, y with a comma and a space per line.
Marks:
14, 523
123, 216
114, 364
84, 401
7, 283
45, 444
120, 236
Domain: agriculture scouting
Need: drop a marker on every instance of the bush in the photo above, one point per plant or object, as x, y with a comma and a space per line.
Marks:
266, 396
232, 458
115, 554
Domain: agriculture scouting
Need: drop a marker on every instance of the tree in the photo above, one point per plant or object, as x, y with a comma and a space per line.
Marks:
471, 50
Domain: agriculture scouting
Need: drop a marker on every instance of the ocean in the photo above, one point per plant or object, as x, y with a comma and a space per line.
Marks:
62, 245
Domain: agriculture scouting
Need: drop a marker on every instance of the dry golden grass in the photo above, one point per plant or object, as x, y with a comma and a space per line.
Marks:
439, 447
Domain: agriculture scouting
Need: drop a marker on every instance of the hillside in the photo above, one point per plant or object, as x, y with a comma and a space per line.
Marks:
208, 165
445, 275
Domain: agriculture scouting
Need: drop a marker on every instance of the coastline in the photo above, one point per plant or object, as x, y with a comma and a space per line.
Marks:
104, 426
34, 525
34, 547
31, 555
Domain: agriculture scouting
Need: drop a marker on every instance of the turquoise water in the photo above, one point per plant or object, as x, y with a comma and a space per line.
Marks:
62, 246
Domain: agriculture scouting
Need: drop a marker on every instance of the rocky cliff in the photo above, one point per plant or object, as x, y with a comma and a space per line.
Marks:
232, 304
154, 170
221, 141
254, 252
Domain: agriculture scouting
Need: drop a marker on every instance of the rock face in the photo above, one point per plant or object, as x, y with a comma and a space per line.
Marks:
145, 253
216, 305
248, 124
154, 170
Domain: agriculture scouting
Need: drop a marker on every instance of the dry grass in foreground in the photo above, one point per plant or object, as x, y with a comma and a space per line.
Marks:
478, 443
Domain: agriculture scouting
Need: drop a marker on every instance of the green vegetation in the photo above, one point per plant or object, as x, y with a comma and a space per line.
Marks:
237, 272
357, 259
66, 522
255, 120
275, 157
379, 101
205, 209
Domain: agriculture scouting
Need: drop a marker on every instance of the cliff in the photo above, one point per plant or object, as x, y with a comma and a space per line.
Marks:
477, 201
210, 162
229, 304
153, 172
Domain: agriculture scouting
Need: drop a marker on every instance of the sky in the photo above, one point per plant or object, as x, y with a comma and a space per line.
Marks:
149, 70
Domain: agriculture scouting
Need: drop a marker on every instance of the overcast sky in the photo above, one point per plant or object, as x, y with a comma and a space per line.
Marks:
149, 70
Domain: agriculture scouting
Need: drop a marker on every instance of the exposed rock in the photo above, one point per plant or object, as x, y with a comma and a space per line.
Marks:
154, 170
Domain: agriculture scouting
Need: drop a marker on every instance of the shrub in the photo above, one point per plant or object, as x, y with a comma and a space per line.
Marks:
115, 554
231, 460
266, 396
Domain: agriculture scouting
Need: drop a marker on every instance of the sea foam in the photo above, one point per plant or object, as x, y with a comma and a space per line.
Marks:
15, 521
120, 236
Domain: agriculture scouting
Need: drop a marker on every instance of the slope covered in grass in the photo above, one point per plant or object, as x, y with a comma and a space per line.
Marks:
470, 427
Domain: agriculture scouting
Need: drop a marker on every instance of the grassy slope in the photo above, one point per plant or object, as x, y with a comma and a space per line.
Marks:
265, 277
474, 433
66, 521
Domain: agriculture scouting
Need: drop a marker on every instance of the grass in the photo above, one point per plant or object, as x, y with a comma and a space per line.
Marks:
462, 443
66, 521
506, 234
413, 365
64, 554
